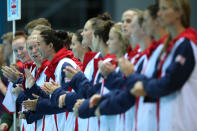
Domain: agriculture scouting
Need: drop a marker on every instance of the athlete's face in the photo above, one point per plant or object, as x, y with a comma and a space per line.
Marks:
167, 15
87, 35
127, 18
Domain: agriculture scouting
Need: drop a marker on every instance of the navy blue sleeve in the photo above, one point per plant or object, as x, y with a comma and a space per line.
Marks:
71, 97
70, 100
139, 68
35, 89
115, 80
21, 97
55, 96
27, 94
32, 116
18, 81
77, 79
115, 102
84, 111
44, 106
119, 101
64, 86
83, 87
64, 82
176, 74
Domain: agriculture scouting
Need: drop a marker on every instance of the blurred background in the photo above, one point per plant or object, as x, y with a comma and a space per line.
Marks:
72, 14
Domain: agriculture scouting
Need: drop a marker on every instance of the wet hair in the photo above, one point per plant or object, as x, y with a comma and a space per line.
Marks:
117, 28
57, 38
78, 35
153, 10
102, 28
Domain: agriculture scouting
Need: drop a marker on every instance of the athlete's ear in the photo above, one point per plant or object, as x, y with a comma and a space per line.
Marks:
50, 45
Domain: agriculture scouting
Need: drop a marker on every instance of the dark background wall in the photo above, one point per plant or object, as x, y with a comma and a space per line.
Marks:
3, 20
72, 14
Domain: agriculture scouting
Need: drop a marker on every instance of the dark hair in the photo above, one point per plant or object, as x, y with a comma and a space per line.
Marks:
78, 35
102, 29
105, 17
66, 37
56, 38
153, 9
140, 18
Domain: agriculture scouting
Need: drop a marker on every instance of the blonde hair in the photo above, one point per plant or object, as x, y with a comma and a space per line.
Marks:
36, 22
117, 28
184, 6
8, 37
42, 28
134, 10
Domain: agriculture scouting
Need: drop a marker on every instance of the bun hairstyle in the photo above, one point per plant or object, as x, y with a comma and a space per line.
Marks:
66, 37
101, 25
61, 34
102, 28
55, 37
105, 16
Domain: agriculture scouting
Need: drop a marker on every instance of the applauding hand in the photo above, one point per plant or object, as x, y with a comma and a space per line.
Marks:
138, 89
70, 72
29, 79
77, 105
49, 88
125, 66
94, 100
11, 73
106, 68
